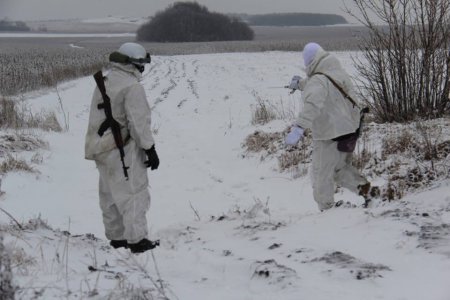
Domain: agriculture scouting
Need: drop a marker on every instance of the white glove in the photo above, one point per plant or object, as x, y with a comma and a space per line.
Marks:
294, 85
294, 136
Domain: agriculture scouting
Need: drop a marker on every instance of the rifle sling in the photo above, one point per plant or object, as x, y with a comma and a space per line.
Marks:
347, 96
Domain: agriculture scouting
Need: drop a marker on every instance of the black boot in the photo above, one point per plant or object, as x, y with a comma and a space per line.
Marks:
119, 244
143, 245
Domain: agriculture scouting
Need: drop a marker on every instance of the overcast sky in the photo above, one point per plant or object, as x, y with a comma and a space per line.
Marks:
74, 9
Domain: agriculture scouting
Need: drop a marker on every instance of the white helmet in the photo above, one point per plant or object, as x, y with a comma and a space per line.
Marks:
133, 50
131, 53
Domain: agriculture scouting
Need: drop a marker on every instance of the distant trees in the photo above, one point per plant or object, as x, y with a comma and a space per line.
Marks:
191, 22
295, 19
6, 25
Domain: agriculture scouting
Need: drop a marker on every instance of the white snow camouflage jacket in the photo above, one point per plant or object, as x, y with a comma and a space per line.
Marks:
129, 107
326, 111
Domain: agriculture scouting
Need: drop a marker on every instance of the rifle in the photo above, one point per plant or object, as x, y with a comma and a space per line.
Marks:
283, 87
110, 122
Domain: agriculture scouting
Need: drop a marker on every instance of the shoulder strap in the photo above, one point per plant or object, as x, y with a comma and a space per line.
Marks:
347, 96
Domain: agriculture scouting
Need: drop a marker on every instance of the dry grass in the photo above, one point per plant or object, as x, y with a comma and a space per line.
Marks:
408, 158
20, 119
14, 164
9, 115
399, 143
30, 68
262, 141
20, 141
267, 110
294, 157
413, 157
263, 113
46, 121
7, 289
16, 115
268, 144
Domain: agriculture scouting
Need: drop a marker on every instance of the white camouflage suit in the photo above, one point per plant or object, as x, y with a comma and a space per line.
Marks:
124, 203
329, 115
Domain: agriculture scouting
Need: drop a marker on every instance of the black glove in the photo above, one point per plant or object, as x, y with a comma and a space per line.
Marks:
153, 160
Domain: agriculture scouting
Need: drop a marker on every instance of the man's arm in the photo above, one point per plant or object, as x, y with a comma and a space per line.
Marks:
139, 116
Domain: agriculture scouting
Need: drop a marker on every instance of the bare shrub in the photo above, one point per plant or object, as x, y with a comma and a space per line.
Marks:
405, 69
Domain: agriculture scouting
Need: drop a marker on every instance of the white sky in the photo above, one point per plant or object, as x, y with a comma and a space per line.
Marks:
73, 9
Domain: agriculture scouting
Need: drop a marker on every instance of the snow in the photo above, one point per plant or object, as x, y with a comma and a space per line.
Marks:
260, 234
117, 19
75, 46
61, 35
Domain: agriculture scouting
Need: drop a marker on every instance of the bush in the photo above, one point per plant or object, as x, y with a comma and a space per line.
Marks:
405, 70
191, 22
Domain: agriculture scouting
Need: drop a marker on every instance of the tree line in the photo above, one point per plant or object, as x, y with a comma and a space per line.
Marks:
294, 19
6, 25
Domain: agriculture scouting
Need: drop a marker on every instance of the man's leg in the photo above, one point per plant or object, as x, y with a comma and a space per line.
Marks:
349, 177
112, 219
131, 197
324, 161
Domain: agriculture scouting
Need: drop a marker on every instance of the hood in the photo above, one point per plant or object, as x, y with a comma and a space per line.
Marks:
128, 69
328, 64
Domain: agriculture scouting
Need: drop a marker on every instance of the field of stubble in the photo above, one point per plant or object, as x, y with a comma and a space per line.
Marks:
28, 63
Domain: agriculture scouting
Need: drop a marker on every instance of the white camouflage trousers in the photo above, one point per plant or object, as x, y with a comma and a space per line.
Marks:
331, 167
124, 203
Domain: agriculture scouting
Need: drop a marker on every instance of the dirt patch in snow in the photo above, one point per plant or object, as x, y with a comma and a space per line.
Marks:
359, 269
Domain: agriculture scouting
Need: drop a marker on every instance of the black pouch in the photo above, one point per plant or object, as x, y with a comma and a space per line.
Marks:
347, 143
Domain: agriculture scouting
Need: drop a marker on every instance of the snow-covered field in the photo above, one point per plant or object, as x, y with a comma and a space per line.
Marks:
62, 35
231, 226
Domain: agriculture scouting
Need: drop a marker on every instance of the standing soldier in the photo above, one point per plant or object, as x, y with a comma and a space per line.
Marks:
334, 117
120, 141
